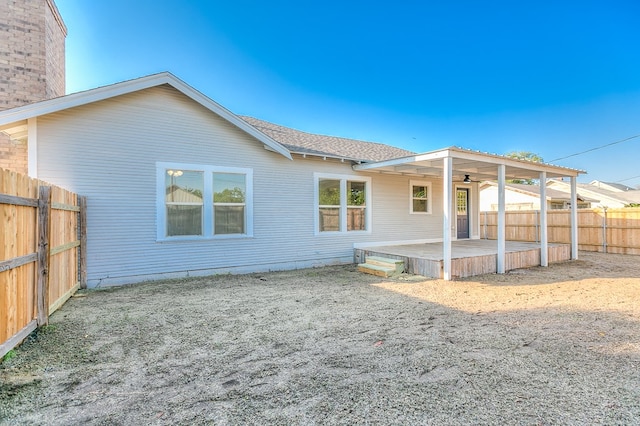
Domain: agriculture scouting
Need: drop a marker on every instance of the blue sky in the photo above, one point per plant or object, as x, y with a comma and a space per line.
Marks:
552, 77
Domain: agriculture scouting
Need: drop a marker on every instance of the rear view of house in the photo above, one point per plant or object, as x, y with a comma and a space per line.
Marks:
177, 185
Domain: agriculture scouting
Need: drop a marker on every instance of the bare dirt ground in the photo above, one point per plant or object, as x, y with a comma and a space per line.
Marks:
558, 345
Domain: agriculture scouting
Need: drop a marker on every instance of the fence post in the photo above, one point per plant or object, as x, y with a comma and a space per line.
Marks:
486, 237
44, 224
82, 218
604, 230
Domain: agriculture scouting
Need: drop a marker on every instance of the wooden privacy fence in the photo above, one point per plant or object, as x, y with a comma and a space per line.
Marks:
602, 230
42, 246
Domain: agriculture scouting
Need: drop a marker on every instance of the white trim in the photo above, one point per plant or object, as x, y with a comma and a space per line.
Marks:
447, 184
544, 240
574, 219
465, 154
207, 214
343, 202
32, 147
426, 184
500, 267
470, 209
106, 92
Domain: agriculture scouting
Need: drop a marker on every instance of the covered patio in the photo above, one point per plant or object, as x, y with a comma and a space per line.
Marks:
456, 167
468, 257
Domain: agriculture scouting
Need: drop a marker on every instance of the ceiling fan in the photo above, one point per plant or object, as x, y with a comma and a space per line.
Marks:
467, 179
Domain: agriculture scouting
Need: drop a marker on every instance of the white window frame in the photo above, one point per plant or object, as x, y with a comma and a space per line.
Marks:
208, 210
426, 184
343, 202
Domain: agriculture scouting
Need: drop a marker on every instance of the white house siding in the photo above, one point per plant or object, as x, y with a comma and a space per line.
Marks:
108, 151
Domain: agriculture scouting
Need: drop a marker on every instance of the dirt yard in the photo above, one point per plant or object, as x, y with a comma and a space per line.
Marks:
558, 345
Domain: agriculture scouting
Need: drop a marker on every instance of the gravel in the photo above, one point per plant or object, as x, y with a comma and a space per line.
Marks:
557, 345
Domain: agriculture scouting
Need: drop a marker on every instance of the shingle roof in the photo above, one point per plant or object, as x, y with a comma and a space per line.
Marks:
622, 196
611, 185
300, 142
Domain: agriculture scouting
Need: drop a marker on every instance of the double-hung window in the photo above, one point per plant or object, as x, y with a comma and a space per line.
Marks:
200, 201
229, 203
342, 203
419, 197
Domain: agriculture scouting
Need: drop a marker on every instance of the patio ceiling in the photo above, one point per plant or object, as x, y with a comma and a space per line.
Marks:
479, 166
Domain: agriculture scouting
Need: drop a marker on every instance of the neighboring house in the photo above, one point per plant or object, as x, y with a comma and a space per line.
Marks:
527, 197
611, 186
177, 185
609, 195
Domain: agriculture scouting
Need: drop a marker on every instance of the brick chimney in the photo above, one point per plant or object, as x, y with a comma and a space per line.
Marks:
32, 64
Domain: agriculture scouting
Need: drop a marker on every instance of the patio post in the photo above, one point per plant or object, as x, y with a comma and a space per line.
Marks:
544, 242
500, 267
574, 218
447, 198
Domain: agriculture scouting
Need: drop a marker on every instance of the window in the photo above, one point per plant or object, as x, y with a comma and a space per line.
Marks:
342, 203
420, 197
183, 199
229, 203
329, 209
356, 206
197, 201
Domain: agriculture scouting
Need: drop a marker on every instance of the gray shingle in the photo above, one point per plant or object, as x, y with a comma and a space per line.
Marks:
300, 142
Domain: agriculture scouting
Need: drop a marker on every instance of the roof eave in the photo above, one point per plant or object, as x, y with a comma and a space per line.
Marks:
468, 155
49, 106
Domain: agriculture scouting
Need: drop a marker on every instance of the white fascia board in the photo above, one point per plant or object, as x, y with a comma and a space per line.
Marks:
428, 156
101, 93
462, 154
81, 98
513, 162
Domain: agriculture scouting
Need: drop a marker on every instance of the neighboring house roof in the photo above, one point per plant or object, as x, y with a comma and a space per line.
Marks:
606, 196
13, 121
626, 197
534, 190
300, 142
612, 186
182, 195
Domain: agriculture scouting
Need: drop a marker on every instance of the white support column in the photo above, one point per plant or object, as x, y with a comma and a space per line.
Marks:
544, 240
447, 198
574, 218
501, 219
32, 147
